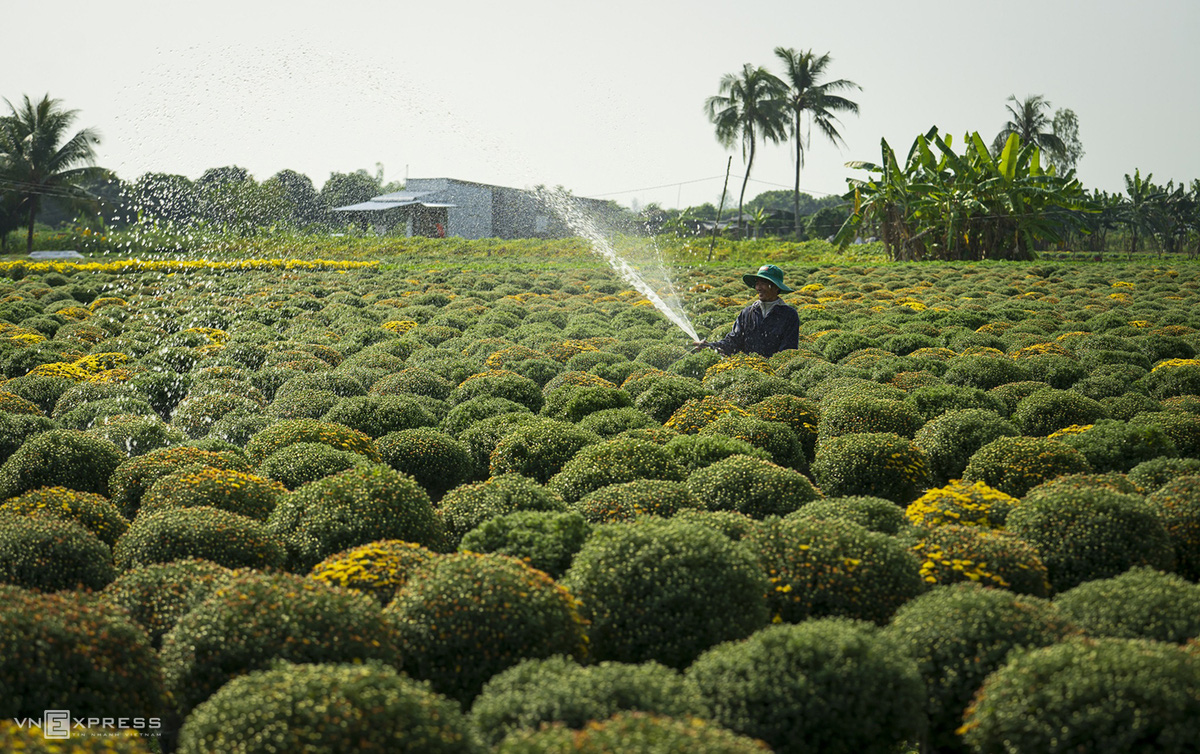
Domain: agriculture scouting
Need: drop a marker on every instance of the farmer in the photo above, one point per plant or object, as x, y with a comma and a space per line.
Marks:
768, 325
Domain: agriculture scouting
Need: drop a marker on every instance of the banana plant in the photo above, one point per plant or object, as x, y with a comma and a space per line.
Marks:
945, 205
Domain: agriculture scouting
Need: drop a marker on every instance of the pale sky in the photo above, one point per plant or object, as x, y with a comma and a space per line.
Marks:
603, 98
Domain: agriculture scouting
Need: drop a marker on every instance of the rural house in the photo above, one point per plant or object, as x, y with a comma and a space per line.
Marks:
437, 207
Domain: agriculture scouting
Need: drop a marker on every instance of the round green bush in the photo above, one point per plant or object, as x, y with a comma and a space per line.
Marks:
1112, 445
435, 459
51, 554
832, 685
303, 404
1183, 429
610, 422
15, 429
751, 387
415, 381
663, 395
135, 476
932, 401
641, 587
304, 462
225, 538
631, 731
560, 690
502, 384
1102, 696
1165, 381
540, 449
83, 393
293, 431
1015, 465
733, 525
545, 540
824, 568
984, 372
63, 651
159, 594
1060, 372
378, 415
1012, 393
751, 486
195, 415
952, 554
867, 414
796, 412
98, 412
1152, 475
94, 512
872, 464
1177, 506
693, 452
1111, 481
256, 618
777, 438
1141, 603
1129, 405
466, 507
641, 497
354, 507
378, 569
871, 513
1048, 410
960, 634
42, 391
341, 385
326, 707
466, 414
234, 491
1091, 534
622, 459
665, 590
468, 616
60, 458
137, 435
573, 402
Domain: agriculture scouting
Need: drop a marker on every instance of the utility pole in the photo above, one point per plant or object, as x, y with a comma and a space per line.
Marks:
712, 243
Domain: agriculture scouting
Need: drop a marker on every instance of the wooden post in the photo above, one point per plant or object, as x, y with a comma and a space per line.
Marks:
712, 243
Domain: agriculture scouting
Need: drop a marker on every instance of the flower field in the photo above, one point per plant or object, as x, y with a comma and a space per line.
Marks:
501, 506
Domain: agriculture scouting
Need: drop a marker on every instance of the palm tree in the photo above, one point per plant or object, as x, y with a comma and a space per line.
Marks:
806, 95
36, 162
750, 104
1030, 121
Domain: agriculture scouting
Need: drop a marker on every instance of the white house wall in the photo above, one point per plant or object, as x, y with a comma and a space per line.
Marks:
471, 217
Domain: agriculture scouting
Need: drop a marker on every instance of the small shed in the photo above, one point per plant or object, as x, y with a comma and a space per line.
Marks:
437, 207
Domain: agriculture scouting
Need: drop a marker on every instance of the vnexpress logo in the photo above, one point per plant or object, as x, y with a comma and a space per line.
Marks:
56, 723
59, 724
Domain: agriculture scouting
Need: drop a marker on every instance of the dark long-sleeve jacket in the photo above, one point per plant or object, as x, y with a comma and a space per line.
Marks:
754, 333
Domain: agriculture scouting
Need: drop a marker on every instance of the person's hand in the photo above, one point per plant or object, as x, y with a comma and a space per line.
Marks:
700, 345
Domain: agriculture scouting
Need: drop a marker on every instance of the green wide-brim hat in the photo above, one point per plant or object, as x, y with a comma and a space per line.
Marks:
769, 273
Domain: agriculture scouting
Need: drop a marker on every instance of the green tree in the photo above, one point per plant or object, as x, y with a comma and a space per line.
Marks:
1031, 121
810, 98
1066, 127
1141, 206
749, 105
343, 189
37, 159
301, 197
166, 197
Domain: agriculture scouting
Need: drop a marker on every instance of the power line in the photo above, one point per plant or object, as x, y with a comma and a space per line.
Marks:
710, 178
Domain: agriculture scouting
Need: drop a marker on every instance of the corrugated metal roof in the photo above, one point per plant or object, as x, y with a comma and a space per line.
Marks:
400, 196
373, 206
